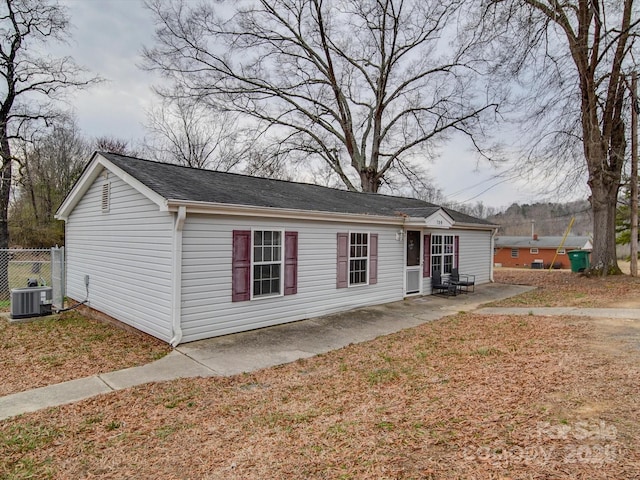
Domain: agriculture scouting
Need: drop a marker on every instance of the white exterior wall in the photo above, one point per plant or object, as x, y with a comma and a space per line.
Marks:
127, 254
475, 255
207, 309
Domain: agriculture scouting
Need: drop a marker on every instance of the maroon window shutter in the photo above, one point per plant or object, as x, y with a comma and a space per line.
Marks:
241, 266
342, 276
290, 263
456, 251
426, 263
373, 258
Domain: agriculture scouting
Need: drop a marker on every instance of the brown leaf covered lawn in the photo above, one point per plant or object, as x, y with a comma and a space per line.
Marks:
60, 348
557, 288
466, 397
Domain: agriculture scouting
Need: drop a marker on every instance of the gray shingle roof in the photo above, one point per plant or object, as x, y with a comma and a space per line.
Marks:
175, 182
541, 242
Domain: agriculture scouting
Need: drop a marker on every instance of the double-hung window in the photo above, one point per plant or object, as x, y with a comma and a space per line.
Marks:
442, 253
358, 258
267, 268
264, 263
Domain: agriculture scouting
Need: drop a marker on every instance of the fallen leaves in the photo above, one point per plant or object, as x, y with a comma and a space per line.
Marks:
56, 349
468, 396
464, 397
563, 288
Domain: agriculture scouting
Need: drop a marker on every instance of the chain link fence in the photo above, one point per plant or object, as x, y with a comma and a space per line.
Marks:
22, 268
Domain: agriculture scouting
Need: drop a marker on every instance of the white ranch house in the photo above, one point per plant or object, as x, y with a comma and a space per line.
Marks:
186, 254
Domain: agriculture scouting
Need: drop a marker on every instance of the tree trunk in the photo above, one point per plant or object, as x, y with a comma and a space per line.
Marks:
5, 190
369, 180
604, 193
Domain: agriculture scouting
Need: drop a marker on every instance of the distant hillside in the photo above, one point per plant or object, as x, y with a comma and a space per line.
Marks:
548, 218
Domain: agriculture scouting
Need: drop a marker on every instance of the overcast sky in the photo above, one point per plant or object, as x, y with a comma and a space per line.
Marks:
107, 38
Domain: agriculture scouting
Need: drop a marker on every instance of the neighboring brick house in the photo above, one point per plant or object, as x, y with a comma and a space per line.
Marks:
537, 252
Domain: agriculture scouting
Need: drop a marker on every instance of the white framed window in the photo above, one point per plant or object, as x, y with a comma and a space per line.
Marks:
267, 263
358, 258
515, 253
533, 250
561, 251
442, 253
105, 198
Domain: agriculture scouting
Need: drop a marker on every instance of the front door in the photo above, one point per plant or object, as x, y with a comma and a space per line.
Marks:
412, 269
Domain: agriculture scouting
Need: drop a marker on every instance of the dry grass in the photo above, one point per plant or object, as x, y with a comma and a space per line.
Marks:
466, 397
563, 288
60, 348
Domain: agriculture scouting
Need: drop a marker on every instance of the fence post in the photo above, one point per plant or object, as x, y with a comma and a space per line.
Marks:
58, 276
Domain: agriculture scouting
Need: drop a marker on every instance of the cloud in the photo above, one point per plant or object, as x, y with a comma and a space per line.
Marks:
107, 40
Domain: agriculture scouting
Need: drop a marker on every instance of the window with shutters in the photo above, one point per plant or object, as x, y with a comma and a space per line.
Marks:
264, 264
442, 253
106, 196
267, 263
358, 258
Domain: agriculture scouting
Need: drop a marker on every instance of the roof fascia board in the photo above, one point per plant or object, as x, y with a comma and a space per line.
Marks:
88, 176
475, 226
135, 183
285, 213
96, 165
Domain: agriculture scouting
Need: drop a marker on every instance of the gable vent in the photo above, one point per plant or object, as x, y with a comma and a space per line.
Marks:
106, 196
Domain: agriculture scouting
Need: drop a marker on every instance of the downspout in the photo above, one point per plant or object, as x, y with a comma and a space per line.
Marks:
493, 247
176, 299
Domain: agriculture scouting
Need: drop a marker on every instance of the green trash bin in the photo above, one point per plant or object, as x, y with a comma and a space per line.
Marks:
579, 260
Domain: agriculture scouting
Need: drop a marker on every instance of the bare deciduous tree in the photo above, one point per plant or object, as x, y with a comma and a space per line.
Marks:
570, 58
114, 145
28, 83
25, 76
189, 134
364, 86
49, 164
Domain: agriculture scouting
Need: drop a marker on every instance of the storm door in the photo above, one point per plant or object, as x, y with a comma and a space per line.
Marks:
413, 256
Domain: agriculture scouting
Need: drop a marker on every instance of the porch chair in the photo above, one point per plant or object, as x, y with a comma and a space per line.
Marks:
464, 282
440, 286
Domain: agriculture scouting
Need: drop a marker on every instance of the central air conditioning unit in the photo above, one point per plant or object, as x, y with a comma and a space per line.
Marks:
31, 302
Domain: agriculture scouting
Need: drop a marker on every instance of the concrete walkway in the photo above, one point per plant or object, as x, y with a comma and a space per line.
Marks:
627, 313
254, 350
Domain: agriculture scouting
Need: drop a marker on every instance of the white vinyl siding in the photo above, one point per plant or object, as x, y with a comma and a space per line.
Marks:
207, 309
127, 254
474, 257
